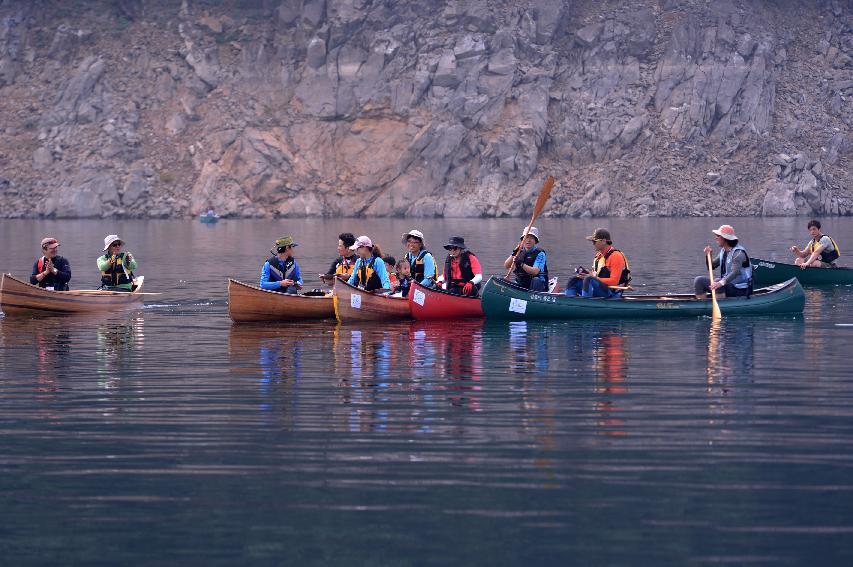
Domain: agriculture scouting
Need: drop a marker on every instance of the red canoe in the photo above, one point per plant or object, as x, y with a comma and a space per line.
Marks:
432, 303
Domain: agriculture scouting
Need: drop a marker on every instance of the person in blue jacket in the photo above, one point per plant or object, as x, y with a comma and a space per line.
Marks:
281, 272
369, 272
420, 259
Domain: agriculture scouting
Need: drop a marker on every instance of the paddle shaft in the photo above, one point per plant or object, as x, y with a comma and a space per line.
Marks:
544, 193
715, 308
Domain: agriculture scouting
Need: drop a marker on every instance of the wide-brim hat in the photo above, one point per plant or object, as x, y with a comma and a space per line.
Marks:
534, 232
49, 242
600, 234
284, 242
108, 241
455, 242
362, 242
416, 233
726, 231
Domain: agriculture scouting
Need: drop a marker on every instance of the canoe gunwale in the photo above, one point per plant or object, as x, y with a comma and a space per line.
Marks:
378, 307
767, 270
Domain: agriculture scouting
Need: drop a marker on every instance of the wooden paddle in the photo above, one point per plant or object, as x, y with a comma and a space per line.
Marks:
716, 315
544, 194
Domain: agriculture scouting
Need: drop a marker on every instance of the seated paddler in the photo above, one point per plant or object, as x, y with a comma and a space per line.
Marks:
369, 272
420, 259
735, 268
116, 266
342, 265
610, 273
530, 262
462, 272
281, 272
819, 252
51, 271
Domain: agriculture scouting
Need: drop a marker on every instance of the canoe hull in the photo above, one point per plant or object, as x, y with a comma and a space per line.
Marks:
430, 304
353, 304
204, 219
19, 298
767, 272
504, 300
248, 303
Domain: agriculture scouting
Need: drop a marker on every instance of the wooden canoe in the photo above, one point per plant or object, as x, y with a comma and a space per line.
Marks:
353, 304
432, 303
504, 300
767, 272
21, 298
249, 303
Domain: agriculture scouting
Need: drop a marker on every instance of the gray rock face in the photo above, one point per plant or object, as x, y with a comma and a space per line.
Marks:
349, 107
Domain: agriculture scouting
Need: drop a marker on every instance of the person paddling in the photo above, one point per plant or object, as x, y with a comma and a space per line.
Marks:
420, 259
735, 267
609, 269
462, 272
116, 266
51, 271
531, 262
369, 273
820, 252
342, 265
281, 272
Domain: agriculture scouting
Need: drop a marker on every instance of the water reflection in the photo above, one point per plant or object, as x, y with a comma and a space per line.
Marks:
119, 343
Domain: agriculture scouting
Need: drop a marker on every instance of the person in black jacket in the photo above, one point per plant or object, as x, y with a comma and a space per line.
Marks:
51, 271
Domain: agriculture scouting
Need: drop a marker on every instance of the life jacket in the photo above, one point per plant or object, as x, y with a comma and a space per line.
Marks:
281, 271
114, 275
744, 280
417, 264
599, 264
524, 279
405, 285
464, 268
367, 278
345, 266
825, 256
43, 283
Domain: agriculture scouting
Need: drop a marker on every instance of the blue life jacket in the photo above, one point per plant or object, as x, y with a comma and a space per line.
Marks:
281, 270
744, 279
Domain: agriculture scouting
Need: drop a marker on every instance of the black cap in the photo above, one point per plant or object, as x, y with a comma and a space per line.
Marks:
455, 242
600, 234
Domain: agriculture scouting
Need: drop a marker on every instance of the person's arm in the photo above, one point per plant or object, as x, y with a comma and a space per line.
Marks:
63, 274
34, 277
104, 263
131, 263
477, 269
333, 268
616, 263
538, 265
429, 271
736, 267
817, 251
265, 282
379, 268
354, 276
296, 275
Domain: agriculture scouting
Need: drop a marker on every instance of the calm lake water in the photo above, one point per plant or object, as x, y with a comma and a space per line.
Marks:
168, 435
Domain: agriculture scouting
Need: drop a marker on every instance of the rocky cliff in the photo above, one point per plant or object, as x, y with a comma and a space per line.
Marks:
156, 108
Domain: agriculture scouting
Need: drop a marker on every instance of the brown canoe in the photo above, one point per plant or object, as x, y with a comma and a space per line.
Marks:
353, 304
247, 303
21, 298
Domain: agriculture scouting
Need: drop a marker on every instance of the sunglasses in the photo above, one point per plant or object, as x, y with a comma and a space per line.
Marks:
454, 248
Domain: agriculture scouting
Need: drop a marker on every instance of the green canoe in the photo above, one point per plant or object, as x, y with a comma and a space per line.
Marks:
504, 300
767, 272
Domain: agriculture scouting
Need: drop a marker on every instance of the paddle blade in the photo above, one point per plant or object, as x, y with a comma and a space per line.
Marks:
544, 194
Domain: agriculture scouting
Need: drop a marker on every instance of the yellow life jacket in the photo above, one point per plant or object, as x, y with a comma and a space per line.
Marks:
367, 277
345, 267
827, 257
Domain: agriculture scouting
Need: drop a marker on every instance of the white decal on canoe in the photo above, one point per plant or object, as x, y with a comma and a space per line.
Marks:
355, 301
767, 265
419, 298
517, 305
